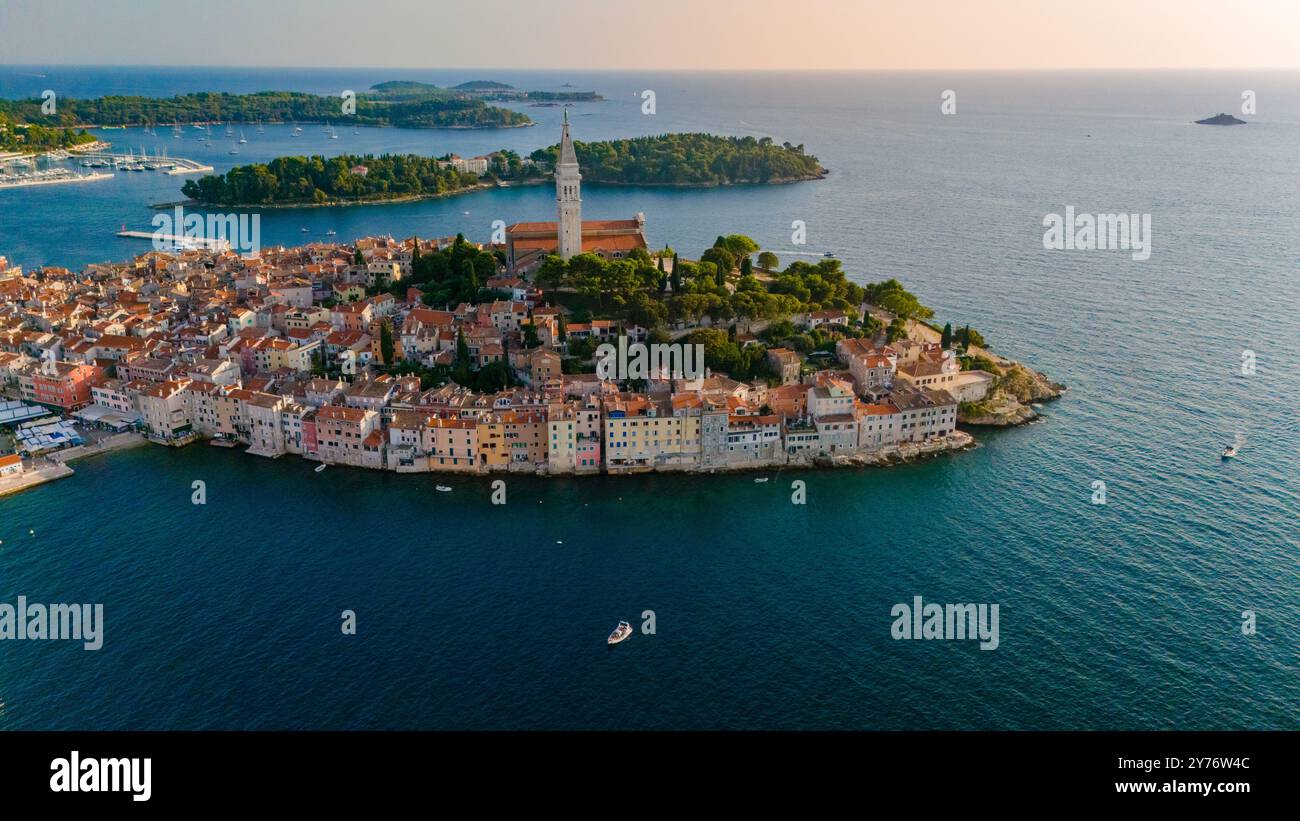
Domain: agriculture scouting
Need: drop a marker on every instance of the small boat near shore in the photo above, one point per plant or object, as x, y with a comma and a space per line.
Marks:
442, 488
620, 633
320, 467
1230, 452
760, 480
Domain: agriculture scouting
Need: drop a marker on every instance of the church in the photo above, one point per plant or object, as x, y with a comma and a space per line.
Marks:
528, 243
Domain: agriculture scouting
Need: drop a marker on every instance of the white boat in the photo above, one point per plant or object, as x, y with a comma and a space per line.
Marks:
319, 468
242, 138
1230, 452
620, 633
761, 479
331, 232
442, 488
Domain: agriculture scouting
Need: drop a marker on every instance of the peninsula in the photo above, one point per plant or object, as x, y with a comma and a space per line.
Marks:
569, 349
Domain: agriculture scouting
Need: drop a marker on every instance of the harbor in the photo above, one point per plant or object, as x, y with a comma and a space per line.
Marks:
25, 170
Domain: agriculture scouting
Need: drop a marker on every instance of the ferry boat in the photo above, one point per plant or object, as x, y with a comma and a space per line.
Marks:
620, 633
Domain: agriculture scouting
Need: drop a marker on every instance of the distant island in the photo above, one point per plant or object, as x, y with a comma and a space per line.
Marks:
490, 90
696, 160
1221, 119
690, 160
400, 104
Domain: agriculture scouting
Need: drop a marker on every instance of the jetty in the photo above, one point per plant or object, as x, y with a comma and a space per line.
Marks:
48, 178
168, 165
207, 243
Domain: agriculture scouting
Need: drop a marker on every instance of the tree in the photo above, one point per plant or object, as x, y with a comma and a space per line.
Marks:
768, 261
531, 339
945, 341
676, 277
358, 259
386, 341
461, 369
897, 329
720, 257
739, 245
746, 266
563, 328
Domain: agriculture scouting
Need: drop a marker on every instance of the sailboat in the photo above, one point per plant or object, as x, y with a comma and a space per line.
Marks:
234, 149
260, 129
230, 132
242, 139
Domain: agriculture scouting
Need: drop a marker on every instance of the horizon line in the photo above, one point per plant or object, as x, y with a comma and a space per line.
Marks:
746, 70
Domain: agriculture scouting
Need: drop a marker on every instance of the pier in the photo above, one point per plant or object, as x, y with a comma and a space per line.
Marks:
168, 165
49, 178
210, 244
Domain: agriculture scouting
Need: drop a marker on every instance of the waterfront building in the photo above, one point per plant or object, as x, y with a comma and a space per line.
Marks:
165, 410
340, 433
65, 385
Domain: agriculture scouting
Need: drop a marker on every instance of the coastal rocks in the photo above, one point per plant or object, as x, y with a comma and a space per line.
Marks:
1221, 119
1010, 401
1028, 385
998, 411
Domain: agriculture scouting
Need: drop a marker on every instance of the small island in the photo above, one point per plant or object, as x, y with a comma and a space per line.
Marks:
688, 160
1221, 119
490, 90
399, 104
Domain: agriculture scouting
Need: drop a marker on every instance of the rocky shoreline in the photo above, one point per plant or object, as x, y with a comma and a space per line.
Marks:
1011, 402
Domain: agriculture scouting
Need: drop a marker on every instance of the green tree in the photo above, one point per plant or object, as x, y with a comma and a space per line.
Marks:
386, 347
945, 340
768, 261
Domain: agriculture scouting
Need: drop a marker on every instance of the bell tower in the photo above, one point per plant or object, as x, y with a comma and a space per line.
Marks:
568, 196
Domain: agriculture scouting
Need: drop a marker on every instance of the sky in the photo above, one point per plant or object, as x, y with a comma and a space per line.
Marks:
657, 34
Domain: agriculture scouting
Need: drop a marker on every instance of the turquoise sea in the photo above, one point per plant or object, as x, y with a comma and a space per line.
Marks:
1126, 615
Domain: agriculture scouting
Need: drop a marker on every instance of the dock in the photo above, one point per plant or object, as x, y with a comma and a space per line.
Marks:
179, 165
59, 179
207, 243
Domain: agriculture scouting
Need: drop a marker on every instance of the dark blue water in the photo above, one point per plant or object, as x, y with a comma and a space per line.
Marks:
1126, 615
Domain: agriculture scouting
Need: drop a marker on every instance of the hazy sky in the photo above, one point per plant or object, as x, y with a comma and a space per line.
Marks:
657, 34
